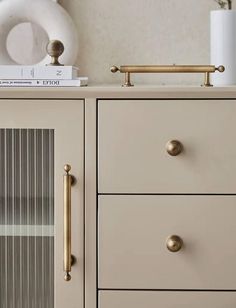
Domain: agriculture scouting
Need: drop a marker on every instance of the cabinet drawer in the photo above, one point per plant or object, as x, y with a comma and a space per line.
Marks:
118, 299
132, 242
132, 146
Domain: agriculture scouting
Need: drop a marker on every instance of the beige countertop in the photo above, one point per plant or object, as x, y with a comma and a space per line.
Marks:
114, 92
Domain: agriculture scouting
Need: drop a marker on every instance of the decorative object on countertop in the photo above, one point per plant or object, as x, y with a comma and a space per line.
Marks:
38, 72
206, 69
49, 15
40, 76
223, 42
51, 75
50, 83
55, 49
224, 4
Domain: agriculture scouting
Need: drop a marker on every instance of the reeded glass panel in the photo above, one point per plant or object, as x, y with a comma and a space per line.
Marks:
26, 218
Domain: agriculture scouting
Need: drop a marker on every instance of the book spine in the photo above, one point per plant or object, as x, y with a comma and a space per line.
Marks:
44, 83
37, 72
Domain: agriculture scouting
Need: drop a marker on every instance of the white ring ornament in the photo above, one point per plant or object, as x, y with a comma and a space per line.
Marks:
47, 14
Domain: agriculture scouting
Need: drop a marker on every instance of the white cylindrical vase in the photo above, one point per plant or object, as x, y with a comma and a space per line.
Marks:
223, 46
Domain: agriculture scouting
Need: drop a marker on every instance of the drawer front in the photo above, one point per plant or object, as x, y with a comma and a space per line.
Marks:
119, 299
132, 242
132, 146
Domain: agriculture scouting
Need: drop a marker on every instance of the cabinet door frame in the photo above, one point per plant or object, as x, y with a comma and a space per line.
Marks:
66, 117
91, 294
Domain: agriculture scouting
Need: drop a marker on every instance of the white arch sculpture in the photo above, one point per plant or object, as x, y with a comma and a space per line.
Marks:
47, 14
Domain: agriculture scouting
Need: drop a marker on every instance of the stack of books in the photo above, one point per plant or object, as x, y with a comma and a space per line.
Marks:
40, 76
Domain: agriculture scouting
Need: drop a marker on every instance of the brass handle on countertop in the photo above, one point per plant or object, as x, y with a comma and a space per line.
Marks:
206, 69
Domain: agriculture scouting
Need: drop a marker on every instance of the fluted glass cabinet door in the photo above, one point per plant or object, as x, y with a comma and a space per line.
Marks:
41, 213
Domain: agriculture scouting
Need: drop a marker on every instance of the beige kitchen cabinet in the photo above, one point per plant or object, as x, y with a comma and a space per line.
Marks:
153, 208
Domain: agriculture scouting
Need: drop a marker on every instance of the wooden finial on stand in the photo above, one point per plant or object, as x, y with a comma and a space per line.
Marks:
55, 49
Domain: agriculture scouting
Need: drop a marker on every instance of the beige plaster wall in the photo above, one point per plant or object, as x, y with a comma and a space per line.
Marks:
141, 32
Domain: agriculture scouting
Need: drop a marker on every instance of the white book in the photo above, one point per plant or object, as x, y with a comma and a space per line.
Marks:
78, 82
38, 72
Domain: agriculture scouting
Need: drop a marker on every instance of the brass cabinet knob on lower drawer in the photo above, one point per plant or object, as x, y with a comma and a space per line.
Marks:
174, 147
174, 243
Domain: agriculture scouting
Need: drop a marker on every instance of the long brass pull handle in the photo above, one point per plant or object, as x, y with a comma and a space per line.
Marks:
68, 181
128, 69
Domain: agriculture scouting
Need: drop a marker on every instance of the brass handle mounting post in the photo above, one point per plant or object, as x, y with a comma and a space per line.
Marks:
205, 69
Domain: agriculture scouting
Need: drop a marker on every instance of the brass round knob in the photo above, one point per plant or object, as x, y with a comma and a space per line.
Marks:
174, 243
114, 69
67, 168
174, 147
67, 276
221, 69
